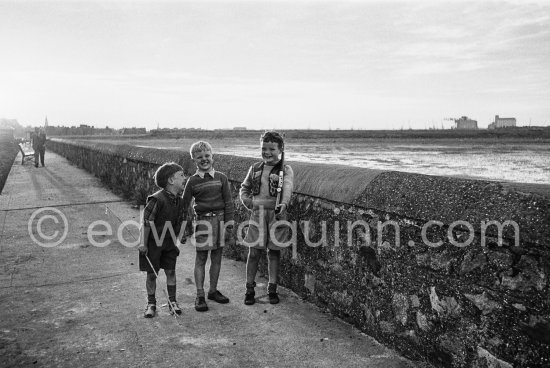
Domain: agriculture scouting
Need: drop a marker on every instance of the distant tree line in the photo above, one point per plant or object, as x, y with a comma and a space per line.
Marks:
87, 130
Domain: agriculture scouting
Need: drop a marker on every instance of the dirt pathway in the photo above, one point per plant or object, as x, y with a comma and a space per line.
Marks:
80, 305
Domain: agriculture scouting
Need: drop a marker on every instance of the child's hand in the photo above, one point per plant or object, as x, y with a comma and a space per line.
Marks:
142, 249
229, 239
188, 231
280, 211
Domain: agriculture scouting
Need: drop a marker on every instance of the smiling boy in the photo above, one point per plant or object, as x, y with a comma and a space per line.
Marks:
214, 206
259, 192
163, 210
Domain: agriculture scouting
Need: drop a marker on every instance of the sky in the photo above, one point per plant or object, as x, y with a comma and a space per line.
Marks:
274, 64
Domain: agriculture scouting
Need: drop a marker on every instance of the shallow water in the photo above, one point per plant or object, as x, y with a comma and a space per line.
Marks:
523, 164
513, 161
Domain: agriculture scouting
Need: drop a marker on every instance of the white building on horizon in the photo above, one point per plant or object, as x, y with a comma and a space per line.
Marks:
502, 123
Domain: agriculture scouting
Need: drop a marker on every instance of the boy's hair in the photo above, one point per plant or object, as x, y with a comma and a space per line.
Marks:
165, 172
273, 136
198, 147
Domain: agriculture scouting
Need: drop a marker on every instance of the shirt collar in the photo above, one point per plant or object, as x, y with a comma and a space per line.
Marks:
170, 195
211, 172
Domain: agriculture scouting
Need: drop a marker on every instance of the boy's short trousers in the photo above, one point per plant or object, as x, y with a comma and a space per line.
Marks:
208, 237
255, 233
161, 257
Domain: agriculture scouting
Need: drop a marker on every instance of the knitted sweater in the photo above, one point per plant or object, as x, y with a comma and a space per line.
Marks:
210, 193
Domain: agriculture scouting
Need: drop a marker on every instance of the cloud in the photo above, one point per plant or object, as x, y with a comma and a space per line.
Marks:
306, 60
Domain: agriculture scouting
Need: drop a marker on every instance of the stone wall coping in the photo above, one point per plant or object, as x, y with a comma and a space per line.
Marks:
416, 196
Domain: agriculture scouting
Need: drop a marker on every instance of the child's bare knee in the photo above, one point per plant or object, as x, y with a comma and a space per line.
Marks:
216, 255
170, 273
274, 254
253, 254
201, 258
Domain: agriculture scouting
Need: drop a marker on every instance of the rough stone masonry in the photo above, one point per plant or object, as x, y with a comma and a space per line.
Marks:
407, 258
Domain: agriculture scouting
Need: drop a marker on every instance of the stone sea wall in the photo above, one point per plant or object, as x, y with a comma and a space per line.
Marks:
404, 257
8, 152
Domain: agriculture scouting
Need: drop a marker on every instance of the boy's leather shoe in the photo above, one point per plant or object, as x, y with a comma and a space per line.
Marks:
273, 298
249, 297
200, 304
272, 293
218, 297
150, 311
174, 307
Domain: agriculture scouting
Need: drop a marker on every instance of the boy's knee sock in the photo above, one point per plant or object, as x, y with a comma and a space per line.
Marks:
200, 292
171, 292
271, 288
151, 299
250, 286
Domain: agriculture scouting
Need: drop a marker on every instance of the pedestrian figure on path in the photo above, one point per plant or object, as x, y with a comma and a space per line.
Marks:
162, 221
266, 192
39, 145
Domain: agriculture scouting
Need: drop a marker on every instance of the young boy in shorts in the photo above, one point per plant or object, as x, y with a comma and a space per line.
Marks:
214, 206
164, 209
258, 193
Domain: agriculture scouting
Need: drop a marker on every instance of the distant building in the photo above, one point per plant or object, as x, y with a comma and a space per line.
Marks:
465, 123
9, 123
82, 129
502, 123
133, 130
239, 128
85, 130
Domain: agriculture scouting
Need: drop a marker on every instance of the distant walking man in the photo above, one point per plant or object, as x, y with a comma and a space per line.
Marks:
39, 145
